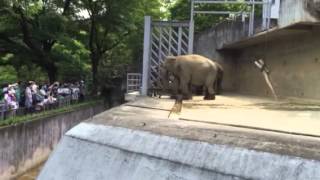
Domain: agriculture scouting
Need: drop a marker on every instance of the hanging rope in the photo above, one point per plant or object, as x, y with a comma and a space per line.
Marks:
262, 65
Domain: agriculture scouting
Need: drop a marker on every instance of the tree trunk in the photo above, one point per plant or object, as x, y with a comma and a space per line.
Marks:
52, 73
41, 48
94, 68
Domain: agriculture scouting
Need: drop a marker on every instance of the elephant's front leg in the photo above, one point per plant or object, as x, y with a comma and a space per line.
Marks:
185, 89
174, 88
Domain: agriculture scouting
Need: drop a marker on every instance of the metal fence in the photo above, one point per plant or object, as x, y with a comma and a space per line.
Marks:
6, 113
163, 38
249, 11
133, 82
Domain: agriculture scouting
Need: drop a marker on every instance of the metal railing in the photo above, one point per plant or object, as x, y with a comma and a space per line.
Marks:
266, 14
6, 113
133, 82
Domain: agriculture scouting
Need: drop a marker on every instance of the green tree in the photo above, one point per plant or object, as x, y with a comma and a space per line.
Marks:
29, 29
66, 39
7, 75
180, 10
111, 26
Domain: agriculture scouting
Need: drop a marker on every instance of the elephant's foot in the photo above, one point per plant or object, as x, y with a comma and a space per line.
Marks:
179, 98
187, 97
182, 97
173, 97
209, 97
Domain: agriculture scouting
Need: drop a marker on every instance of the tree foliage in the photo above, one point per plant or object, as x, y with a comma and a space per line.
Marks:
114, 35
69, 40
180, 10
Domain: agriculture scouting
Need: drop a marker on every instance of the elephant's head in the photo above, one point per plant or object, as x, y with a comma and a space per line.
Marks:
170, 64
167, 72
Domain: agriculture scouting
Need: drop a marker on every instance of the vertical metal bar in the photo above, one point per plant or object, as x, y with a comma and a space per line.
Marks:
191, 29
253, 14
140, 81
146, 54
192, 11
170, 38
127, 83
268, 13
160, 45
179, 40
264, 14
251, 19
191, 33
159, 60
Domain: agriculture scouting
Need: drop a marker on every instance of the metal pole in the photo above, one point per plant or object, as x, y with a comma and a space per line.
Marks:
264, 14
253, 14
191, 29
251, 20
226, 2
192, 10
160, 46
191, 33
170, 39
146, 55
268, 13
179, 40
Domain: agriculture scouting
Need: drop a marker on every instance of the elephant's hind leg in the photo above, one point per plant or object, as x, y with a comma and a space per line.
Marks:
210, 92
209, 96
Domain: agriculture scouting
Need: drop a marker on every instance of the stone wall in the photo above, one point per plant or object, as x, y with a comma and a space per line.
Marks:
25, 145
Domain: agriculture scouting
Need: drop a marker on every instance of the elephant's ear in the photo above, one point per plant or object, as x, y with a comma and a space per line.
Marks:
171, 59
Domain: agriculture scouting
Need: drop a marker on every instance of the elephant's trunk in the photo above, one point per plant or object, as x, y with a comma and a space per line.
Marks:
164, 79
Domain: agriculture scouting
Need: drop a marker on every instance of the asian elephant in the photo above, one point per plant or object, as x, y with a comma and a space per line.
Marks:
191, 70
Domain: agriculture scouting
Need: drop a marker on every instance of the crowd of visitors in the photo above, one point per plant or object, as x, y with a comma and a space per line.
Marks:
36, 97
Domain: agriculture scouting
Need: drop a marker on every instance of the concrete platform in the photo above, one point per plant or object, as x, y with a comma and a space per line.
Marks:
299, 118
234, 137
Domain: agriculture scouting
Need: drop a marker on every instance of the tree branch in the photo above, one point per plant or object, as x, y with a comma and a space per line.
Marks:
7, 39
66, 7
115, 44
27, 38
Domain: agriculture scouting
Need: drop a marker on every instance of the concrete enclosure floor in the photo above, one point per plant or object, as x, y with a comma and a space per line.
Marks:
233, 137
250, 112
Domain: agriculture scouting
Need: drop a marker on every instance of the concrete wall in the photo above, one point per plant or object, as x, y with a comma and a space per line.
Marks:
25, 145
295, 11
229, 32
294, 62
207, 44
129, 153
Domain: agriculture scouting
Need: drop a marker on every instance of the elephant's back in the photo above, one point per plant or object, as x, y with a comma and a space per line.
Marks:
199, 67
193, 58
196, 62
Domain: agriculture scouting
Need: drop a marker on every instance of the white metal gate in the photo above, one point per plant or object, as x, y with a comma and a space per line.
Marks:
133, 82
163, 38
